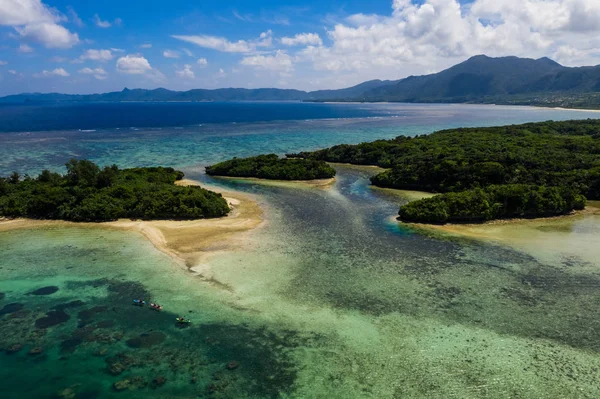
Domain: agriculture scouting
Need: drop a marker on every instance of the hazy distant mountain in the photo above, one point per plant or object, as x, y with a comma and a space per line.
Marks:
478, 79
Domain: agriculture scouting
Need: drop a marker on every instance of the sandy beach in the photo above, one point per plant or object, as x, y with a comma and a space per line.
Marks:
190, 242
317, 183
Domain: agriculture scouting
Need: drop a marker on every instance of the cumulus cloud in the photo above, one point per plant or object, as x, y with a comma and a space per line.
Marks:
35, 21
98, 73
3, 62
23, 48
136, 64
170, 54
429, 35
133, 64
279, 62
224, 45
56, 72
97, 55
202, 62
302, 39
49, 34
186, 72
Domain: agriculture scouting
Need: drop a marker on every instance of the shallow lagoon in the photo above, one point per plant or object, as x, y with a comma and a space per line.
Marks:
329, 299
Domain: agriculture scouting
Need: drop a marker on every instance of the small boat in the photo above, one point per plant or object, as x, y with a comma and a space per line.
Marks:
156, 306
183, 320
139, 302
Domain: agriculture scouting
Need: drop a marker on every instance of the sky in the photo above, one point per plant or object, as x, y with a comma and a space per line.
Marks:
74, 46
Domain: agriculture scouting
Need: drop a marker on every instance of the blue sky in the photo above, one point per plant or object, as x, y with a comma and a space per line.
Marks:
84, 47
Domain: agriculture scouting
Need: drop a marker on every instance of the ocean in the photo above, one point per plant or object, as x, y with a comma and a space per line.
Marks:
331, 298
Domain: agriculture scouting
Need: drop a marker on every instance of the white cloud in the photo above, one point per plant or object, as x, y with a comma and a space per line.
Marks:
99, 73
74, 17
57, 58
56, 72
429, 35
187, 52
49, 34
3, 62
170, 54
100, 23
15, 73
186, 72
97, 55
23, 48
222, 44
117, 50
202, 62
35, 21
133, 64
280, 62
302, 39
146, 45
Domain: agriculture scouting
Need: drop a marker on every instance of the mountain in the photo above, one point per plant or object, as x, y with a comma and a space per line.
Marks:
480, 79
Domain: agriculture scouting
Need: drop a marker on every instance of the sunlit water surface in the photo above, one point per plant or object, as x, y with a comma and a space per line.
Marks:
330, 299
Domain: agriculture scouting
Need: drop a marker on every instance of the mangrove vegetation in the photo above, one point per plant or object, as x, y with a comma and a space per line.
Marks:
272, 167
546, 168
90, 194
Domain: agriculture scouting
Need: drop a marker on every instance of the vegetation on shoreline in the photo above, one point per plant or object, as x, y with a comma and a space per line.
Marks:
90, 194
493, 202
272, 167
541, 156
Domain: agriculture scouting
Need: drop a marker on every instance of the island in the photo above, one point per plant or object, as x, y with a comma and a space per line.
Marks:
518, 171
90, 194
272, 167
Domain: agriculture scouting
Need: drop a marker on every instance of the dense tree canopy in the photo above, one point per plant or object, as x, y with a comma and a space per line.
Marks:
88, 193
272, 167
493, 202
547, 154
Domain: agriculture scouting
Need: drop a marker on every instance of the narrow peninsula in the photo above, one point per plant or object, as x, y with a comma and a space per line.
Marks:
273, 168
518, 171
90, 194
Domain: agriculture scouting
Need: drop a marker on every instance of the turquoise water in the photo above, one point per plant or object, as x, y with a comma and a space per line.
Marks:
330, 299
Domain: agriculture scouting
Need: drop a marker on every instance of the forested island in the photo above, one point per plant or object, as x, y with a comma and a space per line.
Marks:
529, 170
90, 194
272, 167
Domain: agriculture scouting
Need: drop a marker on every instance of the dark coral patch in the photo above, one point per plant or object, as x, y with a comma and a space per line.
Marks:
11, 308
2, 295
51, 289
52, 318
146, 340
88, 314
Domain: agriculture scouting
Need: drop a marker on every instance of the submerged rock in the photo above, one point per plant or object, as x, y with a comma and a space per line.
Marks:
35, 351
67, 393
11, 308
158, 382
116, 368
121, 385
14, 348
105, 324
52, 318
69, 345
233, 365
51, 289
146, 340
69, 305
2, 295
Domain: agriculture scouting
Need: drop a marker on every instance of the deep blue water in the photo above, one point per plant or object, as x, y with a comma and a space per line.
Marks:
66, 116
192, 135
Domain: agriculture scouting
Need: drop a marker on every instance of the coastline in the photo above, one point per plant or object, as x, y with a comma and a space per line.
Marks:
189, 242
493, 230
317, 183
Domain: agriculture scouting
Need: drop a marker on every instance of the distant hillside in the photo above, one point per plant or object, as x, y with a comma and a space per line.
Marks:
480, 79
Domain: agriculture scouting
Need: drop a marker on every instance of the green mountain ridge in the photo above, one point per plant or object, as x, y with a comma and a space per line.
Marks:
480, 79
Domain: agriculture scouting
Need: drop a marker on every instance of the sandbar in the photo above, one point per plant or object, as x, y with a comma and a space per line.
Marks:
189, 242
